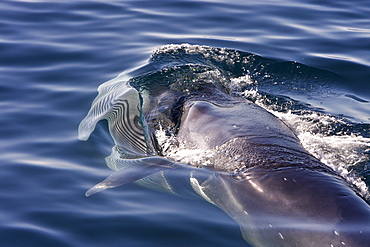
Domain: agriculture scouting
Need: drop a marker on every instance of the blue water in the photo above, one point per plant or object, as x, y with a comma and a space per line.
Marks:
54, 55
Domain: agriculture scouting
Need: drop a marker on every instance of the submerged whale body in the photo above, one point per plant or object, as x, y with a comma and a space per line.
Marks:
258, 172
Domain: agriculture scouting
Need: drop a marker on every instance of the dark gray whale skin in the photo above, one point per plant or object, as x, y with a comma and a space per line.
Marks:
261, 176
278, 193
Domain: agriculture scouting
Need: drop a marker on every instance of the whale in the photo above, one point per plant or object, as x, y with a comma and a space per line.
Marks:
256, 171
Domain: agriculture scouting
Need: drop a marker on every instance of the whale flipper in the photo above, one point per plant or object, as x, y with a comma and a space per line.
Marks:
135, 170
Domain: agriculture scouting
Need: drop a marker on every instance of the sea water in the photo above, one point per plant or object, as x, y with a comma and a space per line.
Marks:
55, 54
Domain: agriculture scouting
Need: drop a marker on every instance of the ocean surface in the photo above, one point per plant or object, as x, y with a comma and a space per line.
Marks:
310, 67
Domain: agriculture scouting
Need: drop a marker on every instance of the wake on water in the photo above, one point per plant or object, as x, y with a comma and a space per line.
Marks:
289, 90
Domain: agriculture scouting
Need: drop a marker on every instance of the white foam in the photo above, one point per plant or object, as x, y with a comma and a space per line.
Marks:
340, 152
180, 152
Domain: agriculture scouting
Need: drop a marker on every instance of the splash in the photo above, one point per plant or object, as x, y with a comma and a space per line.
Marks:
344, 153
180, 152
